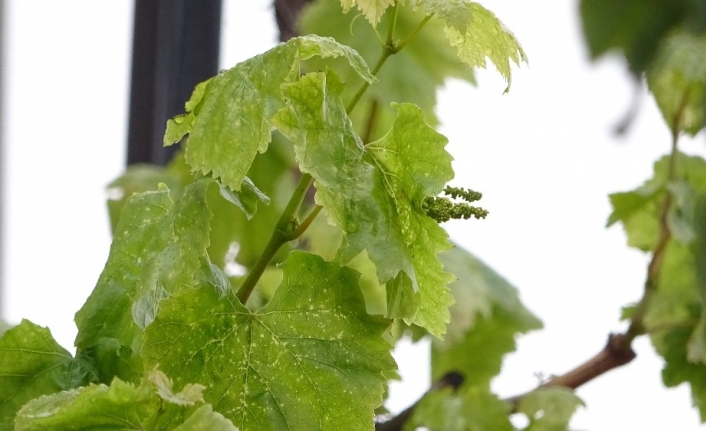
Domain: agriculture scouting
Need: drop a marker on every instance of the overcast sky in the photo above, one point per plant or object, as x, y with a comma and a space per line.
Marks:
543, 155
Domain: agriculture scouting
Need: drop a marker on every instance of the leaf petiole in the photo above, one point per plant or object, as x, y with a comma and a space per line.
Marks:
389, 48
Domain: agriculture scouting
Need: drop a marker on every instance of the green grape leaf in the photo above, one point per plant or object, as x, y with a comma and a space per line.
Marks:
158, 248
228, 118
549, 409
487, 318
470, 408
426, 62
33, 364
119, 406
374, 192
312, 358
371, 9
487, 37
457, 14
677, 78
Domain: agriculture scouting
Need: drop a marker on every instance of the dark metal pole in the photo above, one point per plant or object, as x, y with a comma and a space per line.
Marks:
175, 46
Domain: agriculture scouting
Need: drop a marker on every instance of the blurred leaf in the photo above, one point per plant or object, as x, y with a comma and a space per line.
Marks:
549, 409
33, 364
679, 369
469, 409
638, 210
477, 290
485, 321
635, 27
677, 78
312, 358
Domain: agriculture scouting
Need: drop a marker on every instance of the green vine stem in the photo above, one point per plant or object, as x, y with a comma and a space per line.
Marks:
288, 227
285, 229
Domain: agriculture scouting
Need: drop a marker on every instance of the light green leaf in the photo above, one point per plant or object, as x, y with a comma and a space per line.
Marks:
549, 409
470, 409
487, 37
33, 364
229, 119
374, 192
485, 321
158, 248
677, 78
327, 47
372, 9
311, 359
120, 406
456, 14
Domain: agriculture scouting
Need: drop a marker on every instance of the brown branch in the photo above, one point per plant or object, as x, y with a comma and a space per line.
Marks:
616, 353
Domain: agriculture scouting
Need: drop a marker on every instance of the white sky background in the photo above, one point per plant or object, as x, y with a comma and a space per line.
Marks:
544, 156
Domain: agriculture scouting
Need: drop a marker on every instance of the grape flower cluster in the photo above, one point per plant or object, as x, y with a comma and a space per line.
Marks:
443, 208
